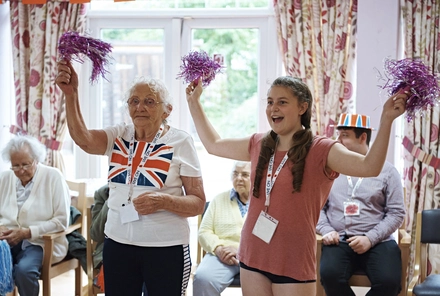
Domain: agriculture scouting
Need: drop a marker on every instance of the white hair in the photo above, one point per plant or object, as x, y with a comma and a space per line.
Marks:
238, 164
36, 149
157, 87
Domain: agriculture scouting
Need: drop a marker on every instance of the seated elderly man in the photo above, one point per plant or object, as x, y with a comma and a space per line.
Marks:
358, 221
34, 200
219, 235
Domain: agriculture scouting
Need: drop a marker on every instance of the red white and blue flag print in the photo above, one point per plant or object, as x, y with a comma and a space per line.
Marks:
152, 174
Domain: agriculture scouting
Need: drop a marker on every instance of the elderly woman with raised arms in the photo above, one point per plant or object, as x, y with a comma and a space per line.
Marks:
155, 184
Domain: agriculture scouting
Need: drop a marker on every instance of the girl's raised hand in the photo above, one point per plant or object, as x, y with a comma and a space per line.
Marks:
194, 90
394, 106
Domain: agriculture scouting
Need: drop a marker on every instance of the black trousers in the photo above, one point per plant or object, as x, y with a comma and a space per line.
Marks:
382, 264
162, 270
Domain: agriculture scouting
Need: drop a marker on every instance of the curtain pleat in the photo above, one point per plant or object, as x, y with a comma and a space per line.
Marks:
318, 43
36, 30
422, 180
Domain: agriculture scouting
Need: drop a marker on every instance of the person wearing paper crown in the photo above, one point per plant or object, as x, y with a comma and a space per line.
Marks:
358, 221
155, 183
292, 173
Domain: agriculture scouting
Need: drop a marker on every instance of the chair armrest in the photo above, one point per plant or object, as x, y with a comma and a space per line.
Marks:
404, 245
70, 229
49, 240
318, 238
414, 281
405, 238
319, 288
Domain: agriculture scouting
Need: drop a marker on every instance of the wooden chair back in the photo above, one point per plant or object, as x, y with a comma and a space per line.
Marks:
200, 251
49, 270
426, 233
91, 246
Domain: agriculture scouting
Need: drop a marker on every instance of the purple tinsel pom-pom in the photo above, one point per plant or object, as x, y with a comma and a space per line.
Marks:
196, 65
414, 76
71, 46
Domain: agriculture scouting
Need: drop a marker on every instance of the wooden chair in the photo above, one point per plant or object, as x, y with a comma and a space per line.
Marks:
426, 233
78, 191
200, 252
92, 290
360, 279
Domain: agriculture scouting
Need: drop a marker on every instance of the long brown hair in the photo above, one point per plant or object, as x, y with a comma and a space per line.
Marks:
301, 140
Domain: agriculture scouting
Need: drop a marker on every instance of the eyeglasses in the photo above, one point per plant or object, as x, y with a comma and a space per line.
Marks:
243, 175
149, 102
25, 167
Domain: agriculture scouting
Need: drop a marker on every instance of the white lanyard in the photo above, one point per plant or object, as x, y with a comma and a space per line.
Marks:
143, 161
350, 183
270, 179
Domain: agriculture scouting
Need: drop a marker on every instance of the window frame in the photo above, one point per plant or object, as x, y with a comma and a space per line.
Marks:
175, 23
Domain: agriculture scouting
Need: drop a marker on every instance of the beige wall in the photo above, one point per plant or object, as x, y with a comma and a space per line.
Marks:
378, 25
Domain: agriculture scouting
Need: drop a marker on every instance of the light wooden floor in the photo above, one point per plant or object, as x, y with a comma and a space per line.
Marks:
64, 285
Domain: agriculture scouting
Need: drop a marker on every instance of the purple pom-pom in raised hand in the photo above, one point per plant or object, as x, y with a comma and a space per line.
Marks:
71, 46
196, 65
413, 76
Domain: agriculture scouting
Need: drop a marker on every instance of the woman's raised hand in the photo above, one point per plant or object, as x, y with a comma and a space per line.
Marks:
67, 79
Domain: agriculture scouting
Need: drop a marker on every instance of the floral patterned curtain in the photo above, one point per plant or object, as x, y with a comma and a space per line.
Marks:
39, 103
318, 43
421, 174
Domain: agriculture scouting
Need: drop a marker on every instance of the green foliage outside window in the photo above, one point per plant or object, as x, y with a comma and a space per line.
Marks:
230, 102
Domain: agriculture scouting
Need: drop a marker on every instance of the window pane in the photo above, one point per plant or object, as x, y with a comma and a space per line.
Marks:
136, 52
231, 100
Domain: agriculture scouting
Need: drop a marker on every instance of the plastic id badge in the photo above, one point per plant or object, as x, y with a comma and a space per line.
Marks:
351, 208
128, 213
265, 227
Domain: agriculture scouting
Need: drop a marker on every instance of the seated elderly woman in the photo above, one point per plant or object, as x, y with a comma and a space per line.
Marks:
34, 200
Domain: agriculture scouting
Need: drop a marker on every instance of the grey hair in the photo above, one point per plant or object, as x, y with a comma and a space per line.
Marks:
238, 164
36, 149
157, 87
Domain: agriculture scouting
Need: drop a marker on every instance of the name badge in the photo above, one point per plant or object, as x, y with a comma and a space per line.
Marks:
128, 213
351, 208
265, 227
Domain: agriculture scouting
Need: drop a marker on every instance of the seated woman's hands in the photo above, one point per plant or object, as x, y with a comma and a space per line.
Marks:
14, 236
227, 255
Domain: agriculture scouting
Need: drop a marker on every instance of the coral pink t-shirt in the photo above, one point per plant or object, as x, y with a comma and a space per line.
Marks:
292, 249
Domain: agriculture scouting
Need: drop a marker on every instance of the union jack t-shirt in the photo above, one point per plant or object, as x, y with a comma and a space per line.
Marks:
173, 156
152, 174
